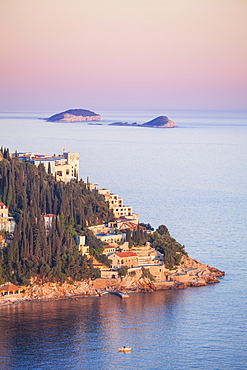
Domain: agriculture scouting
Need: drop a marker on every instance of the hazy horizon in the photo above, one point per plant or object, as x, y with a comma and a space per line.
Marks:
125, 54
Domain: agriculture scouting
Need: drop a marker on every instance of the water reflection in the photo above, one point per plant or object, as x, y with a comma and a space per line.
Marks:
166, 327
42, 334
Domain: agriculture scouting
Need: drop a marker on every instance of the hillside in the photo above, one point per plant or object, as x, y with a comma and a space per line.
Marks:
29, 192
35, 252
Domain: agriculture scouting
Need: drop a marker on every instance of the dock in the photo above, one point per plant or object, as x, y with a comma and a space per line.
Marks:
118, 293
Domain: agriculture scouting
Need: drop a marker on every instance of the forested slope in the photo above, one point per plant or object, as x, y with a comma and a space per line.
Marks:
30, 192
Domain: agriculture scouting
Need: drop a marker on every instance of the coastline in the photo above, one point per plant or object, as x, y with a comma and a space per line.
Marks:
190, 273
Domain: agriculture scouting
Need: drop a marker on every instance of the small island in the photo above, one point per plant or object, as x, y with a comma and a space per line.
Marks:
75, 115
158, 122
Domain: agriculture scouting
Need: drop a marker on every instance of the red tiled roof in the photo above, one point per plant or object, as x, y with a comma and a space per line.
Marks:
3, 205
9, 288
126, 254
130, 225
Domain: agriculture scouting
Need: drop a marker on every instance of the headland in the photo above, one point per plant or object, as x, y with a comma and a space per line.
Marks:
77, 239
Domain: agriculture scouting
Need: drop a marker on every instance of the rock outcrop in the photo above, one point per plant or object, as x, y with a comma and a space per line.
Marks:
75, 115
195, 273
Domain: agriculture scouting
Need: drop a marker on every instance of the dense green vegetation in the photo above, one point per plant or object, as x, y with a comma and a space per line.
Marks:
164, 243
52, 254
160, 240
30, 192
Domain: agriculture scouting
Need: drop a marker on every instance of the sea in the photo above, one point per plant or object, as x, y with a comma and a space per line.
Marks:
193, 179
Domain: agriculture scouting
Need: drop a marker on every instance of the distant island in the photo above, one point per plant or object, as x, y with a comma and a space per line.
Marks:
82, 115
158, 122
75, 115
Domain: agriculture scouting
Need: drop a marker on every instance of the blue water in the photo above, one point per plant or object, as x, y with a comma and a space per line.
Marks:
194, 180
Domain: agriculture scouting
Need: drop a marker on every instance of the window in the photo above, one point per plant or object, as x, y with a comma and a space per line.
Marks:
67, 172
59, 173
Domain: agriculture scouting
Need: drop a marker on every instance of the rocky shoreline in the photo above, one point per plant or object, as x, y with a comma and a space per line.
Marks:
190, 273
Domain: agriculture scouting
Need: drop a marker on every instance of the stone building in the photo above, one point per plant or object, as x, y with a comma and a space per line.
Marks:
128, 259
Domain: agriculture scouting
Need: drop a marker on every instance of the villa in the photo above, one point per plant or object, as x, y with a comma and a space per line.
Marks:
64, 167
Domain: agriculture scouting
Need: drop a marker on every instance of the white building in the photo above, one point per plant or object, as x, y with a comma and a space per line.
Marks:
116, 204
81, 241
6, 223
64, 167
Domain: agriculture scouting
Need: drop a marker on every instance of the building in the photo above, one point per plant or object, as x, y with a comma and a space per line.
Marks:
64, 167
7, 289
115, 203
128, 259
121, 212
6, 223
99, 229
147, 255
110, 238
81, 241
98, 265
109, 249
48, 218
125, 222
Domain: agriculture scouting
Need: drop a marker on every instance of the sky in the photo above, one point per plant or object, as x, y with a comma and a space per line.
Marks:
123, 54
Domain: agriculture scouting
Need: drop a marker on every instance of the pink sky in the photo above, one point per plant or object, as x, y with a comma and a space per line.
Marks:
123, 54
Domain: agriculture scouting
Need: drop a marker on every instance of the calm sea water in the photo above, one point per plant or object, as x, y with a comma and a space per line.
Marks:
194, 180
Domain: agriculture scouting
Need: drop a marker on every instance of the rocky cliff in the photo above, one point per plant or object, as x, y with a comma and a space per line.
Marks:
75, 115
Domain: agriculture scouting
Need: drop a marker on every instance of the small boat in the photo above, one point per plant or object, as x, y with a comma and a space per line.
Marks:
124, 349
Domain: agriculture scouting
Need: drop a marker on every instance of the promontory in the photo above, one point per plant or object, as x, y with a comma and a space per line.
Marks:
75, 115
